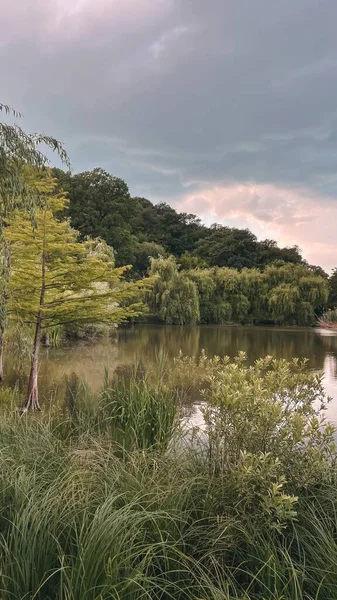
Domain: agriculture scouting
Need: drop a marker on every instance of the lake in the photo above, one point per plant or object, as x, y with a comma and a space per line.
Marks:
88, 359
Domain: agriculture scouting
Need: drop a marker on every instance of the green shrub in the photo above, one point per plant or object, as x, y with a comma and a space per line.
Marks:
275, 408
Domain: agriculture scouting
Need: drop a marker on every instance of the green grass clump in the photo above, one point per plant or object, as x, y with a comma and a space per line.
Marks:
147, 413
328, 319
135, 413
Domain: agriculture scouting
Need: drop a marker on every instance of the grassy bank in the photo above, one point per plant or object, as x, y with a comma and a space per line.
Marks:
107, 497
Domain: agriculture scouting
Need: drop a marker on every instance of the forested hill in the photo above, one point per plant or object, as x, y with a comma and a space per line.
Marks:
100, 205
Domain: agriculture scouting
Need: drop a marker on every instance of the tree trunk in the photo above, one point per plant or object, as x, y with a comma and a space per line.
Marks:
6, 271
46, 339
32, 398
1, 358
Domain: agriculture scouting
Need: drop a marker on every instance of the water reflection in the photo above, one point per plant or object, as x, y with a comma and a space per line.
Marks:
88, 359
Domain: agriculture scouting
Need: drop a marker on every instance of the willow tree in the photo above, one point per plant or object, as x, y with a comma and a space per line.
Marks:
57, 280
204, 280
295, 294
174, 296
17, 150
283, 301
333, 289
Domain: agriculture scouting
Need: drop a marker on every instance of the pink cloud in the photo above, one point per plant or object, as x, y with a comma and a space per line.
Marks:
289, 216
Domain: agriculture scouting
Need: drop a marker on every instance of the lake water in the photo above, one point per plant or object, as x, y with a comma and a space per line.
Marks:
89, 358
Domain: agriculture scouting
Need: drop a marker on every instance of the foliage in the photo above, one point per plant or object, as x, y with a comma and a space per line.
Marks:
143, 252
137, 413
146, 414
273, 408
19, 346
295, 294
56, 280
101, 207
333, 289
55, 336
212, 309
174, 297
80, 282
189, 261
220, 248
283, 293
17, 149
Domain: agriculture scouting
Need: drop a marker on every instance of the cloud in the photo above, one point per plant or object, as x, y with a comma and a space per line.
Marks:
188, 99
271, 212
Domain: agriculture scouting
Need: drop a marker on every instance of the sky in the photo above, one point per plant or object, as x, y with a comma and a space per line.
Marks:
223, 108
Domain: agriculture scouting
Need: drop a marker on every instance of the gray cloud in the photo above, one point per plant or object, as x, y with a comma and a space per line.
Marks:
180, 95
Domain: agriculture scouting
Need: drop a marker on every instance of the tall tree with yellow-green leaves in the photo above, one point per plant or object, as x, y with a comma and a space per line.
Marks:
56, 280
17, 150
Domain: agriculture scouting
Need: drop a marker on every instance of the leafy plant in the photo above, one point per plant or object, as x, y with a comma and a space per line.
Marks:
275, 409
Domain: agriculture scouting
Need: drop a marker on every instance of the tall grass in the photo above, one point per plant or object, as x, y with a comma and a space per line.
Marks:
146, 414
79, 521
97, 502
131, 410
329, 319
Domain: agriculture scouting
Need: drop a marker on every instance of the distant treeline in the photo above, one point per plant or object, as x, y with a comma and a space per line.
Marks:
101, 206
284, 294
226, 274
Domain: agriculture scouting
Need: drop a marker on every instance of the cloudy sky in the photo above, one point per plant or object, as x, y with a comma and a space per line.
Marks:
225, 108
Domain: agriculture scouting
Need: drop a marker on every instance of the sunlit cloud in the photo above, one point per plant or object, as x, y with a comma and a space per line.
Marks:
291, 216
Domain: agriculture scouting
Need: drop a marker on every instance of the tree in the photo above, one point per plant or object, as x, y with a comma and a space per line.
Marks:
101, 206
226, 247
239, 248
295, 293
333, 289
285, 293
174, 297
283, 302
143, 253
57, 280
17, 150
270, 252
178, 232
205, 282
189, 261
256, 289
